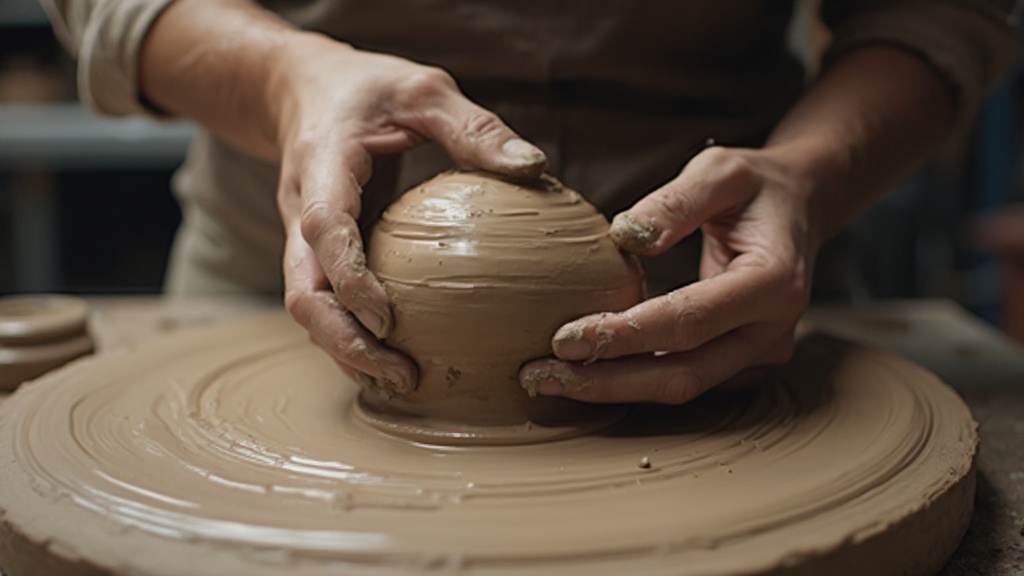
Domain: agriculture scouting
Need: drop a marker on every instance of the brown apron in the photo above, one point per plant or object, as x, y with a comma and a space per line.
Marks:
618, 93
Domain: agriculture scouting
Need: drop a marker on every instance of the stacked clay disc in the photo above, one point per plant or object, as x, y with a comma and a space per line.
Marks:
39, 333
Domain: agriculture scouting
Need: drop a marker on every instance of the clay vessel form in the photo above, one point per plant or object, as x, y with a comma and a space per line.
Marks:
481, 272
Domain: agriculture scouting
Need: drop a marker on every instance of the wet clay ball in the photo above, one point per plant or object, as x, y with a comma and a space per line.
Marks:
481, 272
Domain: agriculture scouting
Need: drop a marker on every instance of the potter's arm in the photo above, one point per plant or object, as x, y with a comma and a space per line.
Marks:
896, 79
969, 43
105, 37
319, 108
210, 61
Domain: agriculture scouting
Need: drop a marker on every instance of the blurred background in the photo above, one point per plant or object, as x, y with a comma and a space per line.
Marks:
85, 205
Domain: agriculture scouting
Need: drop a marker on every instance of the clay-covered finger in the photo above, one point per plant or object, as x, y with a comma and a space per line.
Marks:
374, 365
315, 308
471, 135
330, 207
678, 321
715, 181
312, 303
673, 378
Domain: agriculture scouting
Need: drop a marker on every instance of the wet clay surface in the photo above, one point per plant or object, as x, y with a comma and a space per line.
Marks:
481, 272
233, 449
987, 369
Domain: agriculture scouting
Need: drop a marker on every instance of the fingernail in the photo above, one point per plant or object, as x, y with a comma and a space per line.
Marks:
398, 384
540, 381
388, 386
573, 349
406, 381
373, 322
523, 152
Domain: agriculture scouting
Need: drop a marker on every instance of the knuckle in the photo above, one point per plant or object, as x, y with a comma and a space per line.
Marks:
795, 292
735, 169
716, 155
287, 196
303, 144
361, 164
355, 350
691, 325
729, 167
425, 84
314, 220
675, 203
297, 303
483, 124
679, 388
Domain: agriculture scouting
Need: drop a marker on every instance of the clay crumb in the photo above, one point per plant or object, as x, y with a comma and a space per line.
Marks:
644, 464
605, 336
632, 323
576, 333
452, 375
384, 386
559, 373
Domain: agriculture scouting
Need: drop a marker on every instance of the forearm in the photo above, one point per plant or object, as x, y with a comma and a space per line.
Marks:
868, 123
214, 61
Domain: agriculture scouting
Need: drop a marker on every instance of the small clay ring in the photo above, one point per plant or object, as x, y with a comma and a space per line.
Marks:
36, 319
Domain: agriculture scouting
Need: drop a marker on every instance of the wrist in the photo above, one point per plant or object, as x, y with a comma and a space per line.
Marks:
818, 175
869, 121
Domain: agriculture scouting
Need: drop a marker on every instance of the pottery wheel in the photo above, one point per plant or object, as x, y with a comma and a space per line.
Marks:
233, 450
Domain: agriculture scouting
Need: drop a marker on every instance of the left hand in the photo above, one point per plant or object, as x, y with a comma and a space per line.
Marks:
755, 213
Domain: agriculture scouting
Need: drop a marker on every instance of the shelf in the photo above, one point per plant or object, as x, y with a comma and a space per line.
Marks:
68, 136
22, 13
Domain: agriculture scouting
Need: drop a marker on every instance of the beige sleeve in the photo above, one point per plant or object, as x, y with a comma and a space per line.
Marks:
105, 37
970, 42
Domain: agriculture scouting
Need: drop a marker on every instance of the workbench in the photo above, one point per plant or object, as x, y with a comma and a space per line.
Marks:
985, 367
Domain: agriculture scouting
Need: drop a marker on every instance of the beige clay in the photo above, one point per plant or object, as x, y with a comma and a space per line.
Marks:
481, 272
234, 450
241, 448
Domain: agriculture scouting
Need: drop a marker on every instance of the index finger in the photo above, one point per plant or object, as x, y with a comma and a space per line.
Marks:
716, 180
681, 320
330, 180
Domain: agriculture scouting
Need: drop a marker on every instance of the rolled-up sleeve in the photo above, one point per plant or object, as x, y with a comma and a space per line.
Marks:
105, 37
971, 43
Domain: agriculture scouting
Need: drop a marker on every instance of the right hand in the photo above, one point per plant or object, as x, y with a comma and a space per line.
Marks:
336, 109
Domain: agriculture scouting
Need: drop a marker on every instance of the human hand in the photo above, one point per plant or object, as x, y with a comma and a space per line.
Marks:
339, 109
758, 252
